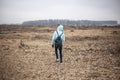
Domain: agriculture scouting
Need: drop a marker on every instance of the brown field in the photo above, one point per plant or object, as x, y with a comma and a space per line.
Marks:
88, 54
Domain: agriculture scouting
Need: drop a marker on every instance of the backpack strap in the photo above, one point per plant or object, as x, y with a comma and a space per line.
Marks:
57, 33
60, 34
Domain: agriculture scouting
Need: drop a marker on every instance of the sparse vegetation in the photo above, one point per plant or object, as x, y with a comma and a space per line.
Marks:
89, 53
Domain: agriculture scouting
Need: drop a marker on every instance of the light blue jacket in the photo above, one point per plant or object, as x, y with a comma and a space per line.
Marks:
55, 35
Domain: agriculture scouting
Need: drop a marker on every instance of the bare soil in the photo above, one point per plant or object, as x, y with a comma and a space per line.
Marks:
88, 54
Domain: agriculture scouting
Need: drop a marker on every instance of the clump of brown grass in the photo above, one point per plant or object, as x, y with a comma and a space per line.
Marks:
22, 44
114, 32
72, 30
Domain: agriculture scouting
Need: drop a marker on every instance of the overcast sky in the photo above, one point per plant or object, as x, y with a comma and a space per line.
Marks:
17, 11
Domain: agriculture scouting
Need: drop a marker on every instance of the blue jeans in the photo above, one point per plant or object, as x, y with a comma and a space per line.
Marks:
60, 52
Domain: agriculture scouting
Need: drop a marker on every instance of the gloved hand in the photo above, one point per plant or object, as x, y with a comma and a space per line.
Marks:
52, 45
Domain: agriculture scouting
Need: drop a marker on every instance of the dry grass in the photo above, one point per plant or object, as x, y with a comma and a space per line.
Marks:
88, 54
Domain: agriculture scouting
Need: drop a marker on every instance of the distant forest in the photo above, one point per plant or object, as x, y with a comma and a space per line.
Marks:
69, 22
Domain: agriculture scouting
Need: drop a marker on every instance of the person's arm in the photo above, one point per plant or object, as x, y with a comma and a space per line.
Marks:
53, 39
63, 38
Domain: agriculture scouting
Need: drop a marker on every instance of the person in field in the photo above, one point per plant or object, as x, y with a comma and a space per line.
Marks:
57, 42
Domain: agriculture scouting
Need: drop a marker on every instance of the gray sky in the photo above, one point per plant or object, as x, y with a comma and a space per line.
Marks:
17, 11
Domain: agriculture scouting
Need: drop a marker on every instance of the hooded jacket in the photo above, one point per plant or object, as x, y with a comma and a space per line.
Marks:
55, 35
